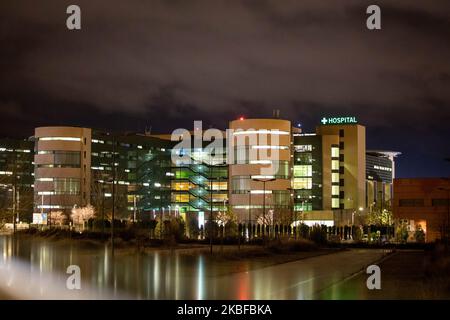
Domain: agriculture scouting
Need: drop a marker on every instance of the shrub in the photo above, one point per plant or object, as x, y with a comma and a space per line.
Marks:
357, 234
318, 235
175, 228
304, 231
194, 230
419, 235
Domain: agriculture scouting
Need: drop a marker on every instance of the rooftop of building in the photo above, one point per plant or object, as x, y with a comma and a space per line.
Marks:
384, 153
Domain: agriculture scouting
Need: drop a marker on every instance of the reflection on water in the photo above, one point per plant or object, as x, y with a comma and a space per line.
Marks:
153, 275
142, 276
172, 275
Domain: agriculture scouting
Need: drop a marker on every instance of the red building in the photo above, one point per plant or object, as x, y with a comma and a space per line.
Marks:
422, 203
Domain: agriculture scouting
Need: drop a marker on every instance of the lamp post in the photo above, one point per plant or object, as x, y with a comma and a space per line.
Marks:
113, 211
291, 208
158, 186
249, 211
103, 211
264, 201
134, 208
14, 208
210, 210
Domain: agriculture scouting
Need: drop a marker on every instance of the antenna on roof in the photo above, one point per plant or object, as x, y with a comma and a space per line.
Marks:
276, 113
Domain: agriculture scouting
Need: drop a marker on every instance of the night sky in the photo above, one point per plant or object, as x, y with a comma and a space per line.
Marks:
163, 64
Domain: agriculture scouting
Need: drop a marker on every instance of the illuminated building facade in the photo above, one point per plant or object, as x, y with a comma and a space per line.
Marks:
79, 166
380, 174
260, 169
199, 179
16, 179
332, 164
336, 180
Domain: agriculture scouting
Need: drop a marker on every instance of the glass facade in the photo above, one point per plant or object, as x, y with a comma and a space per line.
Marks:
202, 182
66, 186
140, 167
307, 172
303, 183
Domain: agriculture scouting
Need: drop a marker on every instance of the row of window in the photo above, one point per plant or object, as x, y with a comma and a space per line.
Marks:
185, 186
98, 141
62, 186
62, 159
304, 206
184, 198
302, 183
302, 171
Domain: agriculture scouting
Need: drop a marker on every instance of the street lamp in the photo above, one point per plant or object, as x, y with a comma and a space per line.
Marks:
264, 180
302, 215
134, 208
158, 186
249, 205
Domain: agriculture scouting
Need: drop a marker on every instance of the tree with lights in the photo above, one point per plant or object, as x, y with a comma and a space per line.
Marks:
57, 218
80, 215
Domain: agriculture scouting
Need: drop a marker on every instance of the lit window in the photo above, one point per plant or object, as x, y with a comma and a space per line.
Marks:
180, 186
271, 147
302, 183
334, 164
60, 139
335, 152
261, 177
180, 198
262, 131
303, 148
260, 191
260, 161
303, 171
335, 190
304, 206
335, 203
335, 177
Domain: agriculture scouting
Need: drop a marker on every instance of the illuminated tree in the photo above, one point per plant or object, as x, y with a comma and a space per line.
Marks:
80, 215
223, 217
381, 216
57, 218
266, 219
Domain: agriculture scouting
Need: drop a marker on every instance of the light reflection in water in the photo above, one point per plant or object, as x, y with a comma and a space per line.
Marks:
166, 275
200, 277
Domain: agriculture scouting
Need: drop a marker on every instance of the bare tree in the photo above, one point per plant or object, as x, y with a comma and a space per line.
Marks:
80, 215
58, 218
266, 219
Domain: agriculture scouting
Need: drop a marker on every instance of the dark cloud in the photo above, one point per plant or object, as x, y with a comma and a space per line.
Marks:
164, 63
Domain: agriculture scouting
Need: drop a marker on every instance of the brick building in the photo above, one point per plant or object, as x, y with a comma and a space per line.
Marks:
423, 203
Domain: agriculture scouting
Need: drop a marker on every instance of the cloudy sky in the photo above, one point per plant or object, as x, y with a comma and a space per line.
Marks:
165, 63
